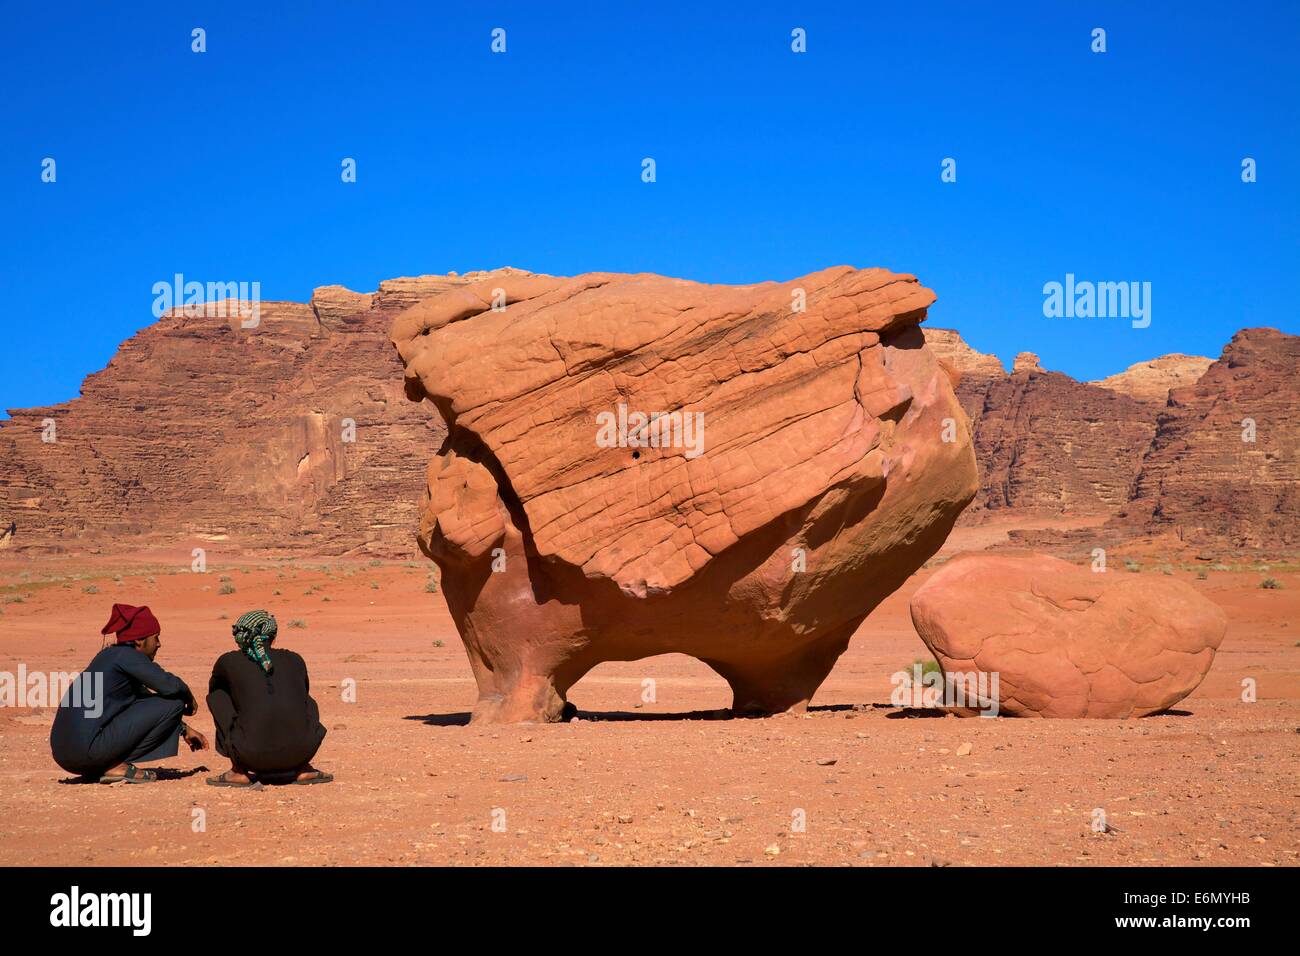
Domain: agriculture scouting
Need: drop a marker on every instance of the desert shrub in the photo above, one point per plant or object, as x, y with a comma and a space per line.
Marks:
298, 622
437, 643
1133, 566
374, 585
90, 589
1272, 584
927, 667
431, 585
1219, 567
1202, 574
375, 563
226, 588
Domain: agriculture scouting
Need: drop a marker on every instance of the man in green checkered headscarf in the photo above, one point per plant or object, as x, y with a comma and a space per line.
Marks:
253, 632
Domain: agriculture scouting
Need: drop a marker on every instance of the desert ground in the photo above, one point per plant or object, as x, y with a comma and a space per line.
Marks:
854, 781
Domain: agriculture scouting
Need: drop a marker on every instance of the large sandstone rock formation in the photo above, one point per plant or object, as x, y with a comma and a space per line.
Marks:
822, 482
1065, 641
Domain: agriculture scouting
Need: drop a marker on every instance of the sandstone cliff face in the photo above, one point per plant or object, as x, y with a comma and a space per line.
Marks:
1159, 447
1224, 465
1045, 442
978, 371
1049, 443
291, 434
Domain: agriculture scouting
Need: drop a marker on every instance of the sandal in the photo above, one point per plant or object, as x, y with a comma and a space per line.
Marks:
225, 781
133, 774
320, 777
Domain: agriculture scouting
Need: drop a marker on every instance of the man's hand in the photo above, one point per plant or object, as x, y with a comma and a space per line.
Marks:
192, 737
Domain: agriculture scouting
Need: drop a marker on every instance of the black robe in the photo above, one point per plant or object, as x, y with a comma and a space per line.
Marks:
266, 723
137, 717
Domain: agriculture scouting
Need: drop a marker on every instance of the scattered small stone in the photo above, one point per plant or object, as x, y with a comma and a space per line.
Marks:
965, 749
827, 761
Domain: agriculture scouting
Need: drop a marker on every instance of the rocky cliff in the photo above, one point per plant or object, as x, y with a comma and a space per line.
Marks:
1045, 442
293, 434
1224, 464
296, 435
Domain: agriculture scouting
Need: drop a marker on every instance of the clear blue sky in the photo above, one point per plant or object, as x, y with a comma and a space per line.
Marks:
225, 165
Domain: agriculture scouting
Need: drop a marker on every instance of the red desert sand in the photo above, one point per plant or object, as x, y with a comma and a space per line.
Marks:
646, 775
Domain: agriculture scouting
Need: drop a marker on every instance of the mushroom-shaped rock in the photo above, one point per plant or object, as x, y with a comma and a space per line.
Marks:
1065, 641
638, 465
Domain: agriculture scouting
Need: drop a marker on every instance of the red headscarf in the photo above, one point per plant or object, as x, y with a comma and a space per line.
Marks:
131, 623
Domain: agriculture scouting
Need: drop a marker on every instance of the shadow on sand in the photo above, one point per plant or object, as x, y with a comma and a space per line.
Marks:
164, 773
461, 718
724, 713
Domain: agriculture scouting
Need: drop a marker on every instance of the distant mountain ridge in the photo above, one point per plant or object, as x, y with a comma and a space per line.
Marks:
1208, 449
296, 436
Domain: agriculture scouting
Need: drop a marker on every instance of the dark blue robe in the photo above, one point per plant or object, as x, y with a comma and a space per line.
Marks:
134, 715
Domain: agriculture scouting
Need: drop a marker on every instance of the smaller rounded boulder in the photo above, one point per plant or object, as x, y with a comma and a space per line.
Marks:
1065, 641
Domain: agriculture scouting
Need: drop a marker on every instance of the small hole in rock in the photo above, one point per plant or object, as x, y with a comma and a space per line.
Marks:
636, 454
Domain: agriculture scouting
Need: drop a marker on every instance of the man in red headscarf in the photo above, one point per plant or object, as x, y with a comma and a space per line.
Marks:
123, 707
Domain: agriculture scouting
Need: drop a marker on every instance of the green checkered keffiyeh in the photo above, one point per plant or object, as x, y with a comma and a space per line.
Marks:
252, 632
